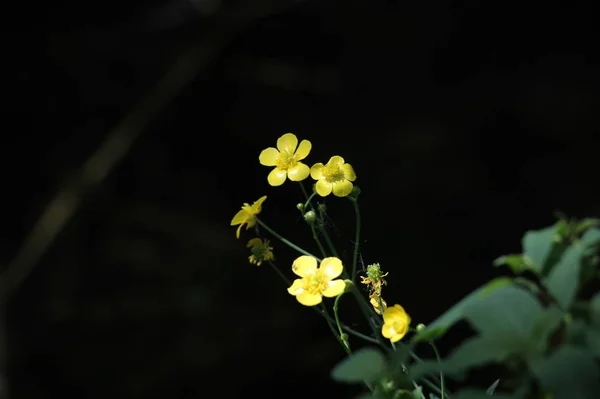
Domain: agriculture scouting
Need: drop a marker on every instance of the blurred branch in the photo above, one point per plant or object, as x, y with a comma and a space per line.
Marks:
286, 75
115, 147
119, 141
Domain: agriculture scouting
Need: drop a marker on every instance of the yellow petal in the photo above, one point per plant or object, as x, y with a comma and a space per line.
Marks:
388, 330
334, 288
323, 188
331, 267
237, 232
342, 188
307, 299
393, 313
253, 242
277, 177
316, 172
400, 310
336, 160
287, 142
303, 150
298, 172
268, 157
250, 222
348, 171
257, 206
397, 337
297, 287
304, 265
240, 217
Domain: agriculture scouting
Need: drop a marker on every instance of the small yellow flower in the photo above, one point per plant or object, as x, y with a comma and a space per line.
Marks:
375, 303
247, 216
316, 282
286, 159
261, 251
395, 323
336, 176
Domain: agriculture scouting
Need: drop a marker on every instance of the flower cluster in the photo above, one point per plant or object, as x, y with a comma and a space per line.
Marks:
335, 177
317, 278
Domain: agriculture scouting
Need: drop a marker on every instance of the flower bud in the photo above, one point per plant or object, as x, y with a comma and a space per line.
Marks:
300, 206
349, 285
310, 217
420, 327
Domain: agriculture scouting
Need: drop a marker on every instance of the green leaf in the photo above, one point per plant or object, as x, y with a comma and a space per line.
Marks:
367, 364
469, 393
482, 350
471, 353
439, 326
492, 388
595, 310
568, 373
417, 393
590, 238
592, 340
563, 280
508, 310
588, 224
517, 263
537, 246
544, 325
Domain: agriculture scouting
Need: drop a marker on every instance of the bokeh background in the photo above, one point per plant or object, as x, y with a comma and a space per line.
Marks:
466, 122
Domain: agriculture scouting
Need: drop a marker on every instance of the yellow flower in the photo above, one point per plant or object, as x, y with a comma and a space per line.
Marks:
286, 159
247, 216
336, 176
375, 303
261, 251
395, 323
316, 282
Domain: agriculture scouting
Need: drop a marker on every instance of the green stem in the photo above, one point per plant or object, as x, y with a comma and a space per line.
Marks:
308, 198
439, 359
280, 273
332, 328
283, 240
316, 238
312, 224
321, 228
416, 357
433, 387
328, 241
367, 312
337, 322
356, 238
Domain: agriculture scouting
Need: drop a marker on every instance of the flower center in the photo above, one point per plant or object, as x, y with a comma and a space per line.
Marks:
314, 284
333, 173
285, 160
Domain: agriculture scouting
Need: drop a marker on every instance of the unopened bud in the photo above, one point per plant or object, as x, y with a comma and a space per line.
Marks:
349, 285
300, 206
310, 217
420, 327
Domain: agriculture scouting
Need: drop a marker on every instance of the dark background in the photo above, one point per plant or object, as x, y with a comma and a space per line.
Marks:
466, 122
